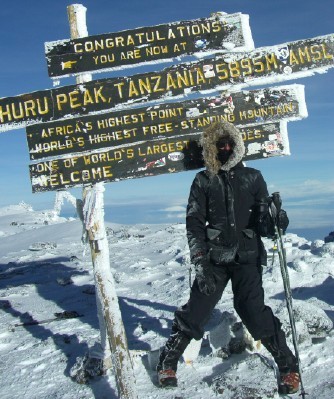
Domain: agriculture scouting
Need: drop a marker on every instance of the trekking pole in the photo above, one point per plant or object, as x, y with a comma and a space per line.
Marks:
275, 207
67, 314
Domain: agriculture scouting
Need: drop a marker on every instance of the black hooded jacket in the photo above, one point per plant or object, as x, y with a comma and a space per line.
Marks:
221, 214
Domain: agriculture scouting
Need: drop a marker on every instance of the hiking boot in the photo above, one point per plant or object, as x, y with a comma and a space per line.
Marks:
284, 358
173, 349
289, 383
167, 378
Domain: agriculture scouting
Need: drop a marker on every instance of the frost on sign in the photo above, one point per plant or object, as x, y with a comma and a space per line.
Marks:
219, 33
268, 64
150, 158
114, 129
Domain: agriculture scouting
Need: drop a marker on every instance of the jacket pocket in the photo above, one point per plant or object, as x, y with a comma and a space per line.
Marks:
223, 254
248, 251
212, 234
246, 257
219, 251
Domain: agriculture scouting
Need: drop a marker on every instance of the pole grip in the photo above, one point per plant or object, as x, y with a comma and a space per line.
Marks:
276, 197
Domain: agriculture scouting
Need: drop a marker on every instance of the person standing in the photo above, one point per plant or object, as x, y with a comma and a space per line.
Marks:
227, 214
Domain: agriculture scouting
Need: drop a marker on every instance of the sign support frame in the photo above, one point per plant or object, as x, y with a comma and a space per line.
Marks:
93, 221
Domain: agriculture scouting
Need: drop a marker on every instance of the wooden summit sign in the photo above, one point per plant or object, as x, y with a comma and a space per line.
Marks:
94, 132
221, 32
277, 63
152, 158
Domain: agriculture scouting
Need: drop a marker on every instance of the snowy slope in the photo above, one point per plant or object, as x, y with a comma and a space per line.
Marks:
44, 268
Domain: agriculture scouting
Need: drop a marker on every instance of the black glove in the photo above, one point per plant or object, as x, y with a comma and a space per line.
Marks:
282, 220
205, 277
263, 220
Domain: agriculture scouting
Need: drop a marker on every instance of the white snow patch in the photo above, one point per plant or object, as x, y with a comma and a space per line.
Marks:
150, 266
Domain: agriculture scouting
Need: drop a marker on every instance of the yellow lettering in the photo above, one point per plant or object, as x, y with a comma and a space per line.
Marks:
170, 82
73, 178
259, 63
78, 48
303, 54
54, 180
234, 69
130, 153
88, 99
119, 88
119, 41
288, 107
156, 87
216, 26
200, 78
145, 86
182, 80
98, 95
20, 114
180, 29
316, 52
246, 64
29, 106
5, 113
271, 60
293, 58
107, 171
61, 99
140, 37
222, 71
44, 133
328, 56
171, 34
74, 99
46, 106
130, 41
132, 89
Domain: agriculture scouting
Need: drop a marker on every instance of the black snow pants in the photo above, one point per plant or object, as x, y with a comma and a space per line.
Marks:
246, 280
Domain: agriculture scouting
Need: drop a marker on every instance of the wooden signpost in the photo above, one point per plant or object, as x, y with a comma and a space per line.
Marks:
268, 64
95, 132
91, 209
219, 33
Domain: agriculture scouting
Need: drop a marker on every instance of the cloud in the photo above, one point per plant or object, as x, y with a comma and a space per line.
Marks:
156, 202
307, 218
176, 208
176, 216
174, 212
309, 203
306, 189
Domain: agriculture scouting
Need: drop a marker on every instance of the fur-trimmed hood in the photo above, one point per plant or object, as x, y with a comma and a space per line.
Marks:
209, 139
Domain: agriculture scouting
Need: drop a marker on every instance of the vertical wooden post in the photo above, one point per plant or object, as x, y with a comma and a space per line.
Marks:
93, 213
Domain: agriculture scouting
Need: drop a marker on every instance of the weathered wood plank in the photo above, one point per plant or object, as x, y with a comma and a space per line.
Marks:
150, 158
221, 32
269, 64
96, 132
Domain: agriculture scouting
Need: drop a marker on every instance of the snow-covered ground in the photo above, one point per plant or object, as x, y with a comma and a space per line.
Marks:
45, 269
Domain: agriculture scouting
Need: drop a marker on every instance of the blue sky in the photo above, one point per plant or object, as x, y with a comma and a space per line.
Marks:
305, 179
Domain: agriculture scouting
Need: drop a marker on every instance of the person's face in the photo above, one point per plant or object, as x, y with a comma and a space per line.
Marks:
224, 149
